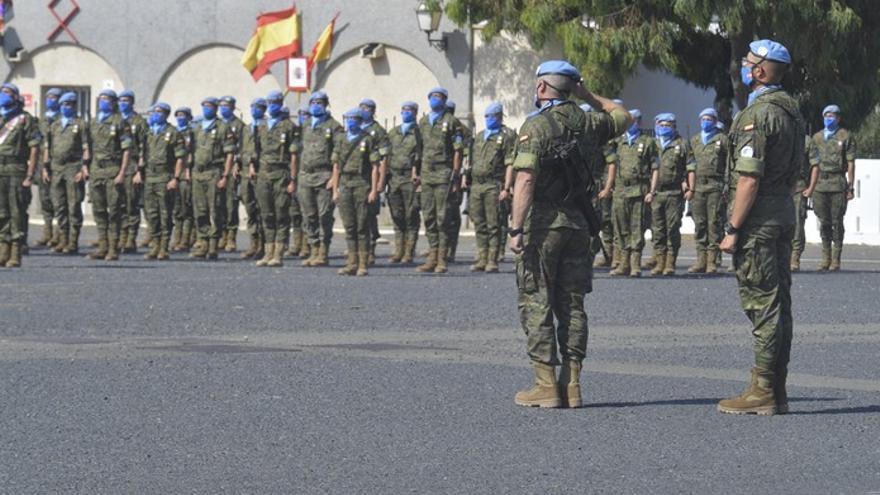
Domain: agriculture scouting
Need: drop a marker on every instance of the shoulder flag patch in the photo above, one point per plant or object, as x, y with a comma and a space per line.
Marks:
524, 138
749, 127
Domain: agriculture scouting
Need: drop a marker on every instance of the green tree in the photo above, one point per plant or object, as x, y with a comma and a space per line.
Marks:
835, 44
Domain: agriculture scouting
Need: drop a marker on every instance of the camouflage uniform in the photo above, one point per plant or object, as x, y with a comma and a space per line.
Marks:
829, 197
247, 187
379, 136
19, 134
161, 152
356, 160
604, 242
708, 162
315, 169
183, 207
67, 145
109, 140
50, 235
492, 155
275, 142
234, 188
667, 206
810, 159
405, 154
636, 161
133, 195
212, 145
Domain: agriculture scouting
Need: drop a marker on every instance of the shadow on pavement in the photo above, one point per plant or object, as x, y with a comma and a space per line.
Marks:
713, 400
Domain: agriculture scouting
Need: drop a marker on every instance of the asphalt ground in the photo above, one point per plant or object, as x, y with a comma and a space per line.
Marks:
221, 377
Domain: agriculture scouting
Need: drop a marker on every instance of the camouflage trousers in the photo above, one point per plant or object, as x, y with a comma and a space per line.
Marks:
67, 196
159, 209
708, 219
553, 274
247, 190
434, 198
354, 209
628, 222
666, 212
761, 261
132, 201
830, 207
274, 203
483, 208
403, 203
800, 217
233, 198
12, 226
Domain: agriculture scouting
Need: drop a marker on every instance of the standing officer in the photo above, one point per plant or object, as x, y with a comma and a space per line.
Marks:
837, 153
164, 154
631, 179
442, 144
601, 157
401, 170
806, 184
110, 146
276, 177
355, 181
235, 127
667, 206
316, 169
19, 150
550, 231
133, 190
247, 187
299, 245
379, 137
50, 237
493, 156
183, 209
766, 150
456, 197
64, 157
707, 167
214, 147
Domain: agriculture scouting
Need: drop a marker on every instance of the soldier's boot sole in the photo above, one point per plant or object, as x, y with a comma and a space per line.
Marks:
539, 396
759, 410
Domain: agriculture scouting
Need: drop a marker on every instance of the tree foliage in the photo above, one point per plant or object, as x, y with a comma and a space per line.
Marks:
835, 44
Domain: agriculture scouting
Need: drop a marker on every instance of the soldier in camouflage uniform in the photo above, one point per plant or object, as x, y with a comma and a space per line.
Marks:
456, 197
766, 152
184, 233
276, 177
299, 243
50, 236
631, 178
164, 154
133, 192
20, 140
806, 184
551, 235
247, 187
235, 127
356, 161
442, 145
492, 157
836, 150
672, 191
315, 171
214, 148
379, 136
401, 168
64, 157
707, 168
110, 145
601, 159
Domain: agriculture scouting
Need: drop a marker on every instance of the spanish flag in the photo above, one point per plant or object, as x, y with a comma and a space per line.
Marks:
276, 38
321, 50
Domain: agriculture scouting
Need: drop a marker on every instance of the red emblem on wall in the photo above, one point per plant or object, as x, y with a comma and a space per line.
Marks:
63, 22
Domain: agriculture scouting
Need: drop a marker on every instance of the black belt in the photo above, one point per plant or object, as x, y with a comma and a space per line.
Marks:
708, 180
670, 187
827, 175
485, 180
632, 182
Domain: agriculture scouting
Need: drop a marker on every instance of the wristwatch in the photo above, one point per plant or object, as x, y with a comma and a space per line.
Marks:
730, 229
515, 232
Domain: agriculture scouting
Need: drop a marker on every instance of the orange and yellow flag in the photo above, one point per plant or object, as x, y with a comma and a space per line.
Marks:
323, 47
277, 37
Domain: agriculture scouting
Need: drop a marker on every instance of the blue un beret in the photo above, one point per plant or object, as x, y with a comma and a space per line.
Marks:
439, 90
227, 99
494, 108
127, 94
832, 109
586, 107
618, 101
665, 117
709, 112
410, 104
68, 98
258, 102
162, 106
450, 105
12, 87
277, 95
108, 92
56, 92
319, 95
354, 113
209, 100
368, 103
770, 50
636, 113
558, 67
185, 110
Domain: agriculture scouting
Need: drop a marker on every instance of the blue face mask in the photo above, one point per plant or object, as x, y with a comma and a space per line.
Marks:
156, 118
209, 112
830, 123
226, 112
408, 116
664, 132
275, 110
302, 118
125, 106
352, 125
493, 123
257, 112
633, 129
105, 106
182, 122
367, 116
707, 125
317, 109
6, 101
745, 75
437, 103
68, 112
52, 104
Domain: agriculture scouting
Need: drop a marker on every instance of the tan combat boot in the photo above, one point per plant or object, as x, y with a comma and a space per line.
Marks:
14, 260
442, 259
100, 252
492, 261
669, 269
60, 241
756, 399
545, 392
635, 264
430, 263
164, 242
371, 253
72, 246
321, 259
570, 384
312, 256
700, 265
252, 249
650, 263
268, 250
295, 244
147, 242
399, 246
221, 242
351, 262
623, 268
409, 248
153, 253
113, 245
46, 238
5, 247
795, 263
213, 246
480, 263
660, 263
200, 249
231, 241
277, 255
130, 244
177, 237
835, 258
363, 258
305, 250
826, 257
615, 257
121, 241
712, 262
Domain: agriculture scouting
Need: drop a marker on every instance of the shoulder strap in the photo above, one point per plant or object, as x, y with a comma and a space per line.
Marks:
354, 145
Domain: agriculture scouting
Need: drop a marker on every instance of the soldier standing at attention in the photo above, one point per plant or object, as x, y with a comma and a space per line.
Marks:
133, 190
766, 150
803, 191
668, 206
316, 169
50, 236
276, 177
19, 150
379, 137
299, 244
401, 170
356, 161
551, 235
64, 157
631, 179
442, 143
235, 127
214, 148
247, 187
836, 150
707, 167
110, 145
183, 209
164, 154
456, 197
493, 156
